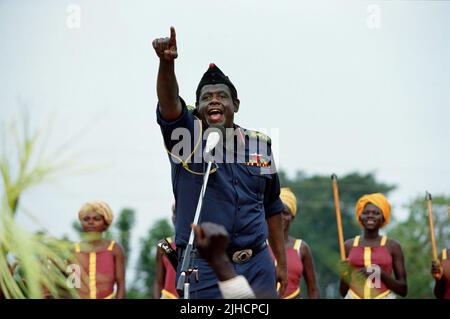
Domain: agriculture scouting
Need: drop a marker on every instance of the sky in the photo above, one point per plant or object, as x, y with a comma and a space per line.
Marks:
340, 86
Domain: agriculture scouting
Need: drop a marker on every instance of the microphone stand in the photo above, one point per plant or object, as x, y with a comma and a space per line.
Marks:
183, 281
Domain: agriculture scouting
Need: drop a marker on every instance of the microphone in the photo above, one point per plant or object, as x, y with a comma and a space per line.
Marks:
183, 280
212, 141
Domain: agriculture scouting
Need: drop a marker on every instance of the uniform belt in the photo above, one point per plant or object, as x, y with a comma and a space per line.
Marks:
244, 255
238, 256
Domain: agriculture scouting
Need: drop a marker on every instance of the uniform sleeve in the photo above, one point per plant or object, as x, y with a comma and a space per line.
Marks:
179, 131
272, 202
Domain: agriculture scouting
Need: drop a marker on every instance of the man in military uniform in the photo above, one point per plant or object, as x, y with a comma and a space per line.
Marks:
241, 195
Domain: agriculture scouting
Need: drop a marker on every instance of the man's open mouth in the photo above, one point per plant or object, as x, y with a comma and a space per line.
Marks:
215, 115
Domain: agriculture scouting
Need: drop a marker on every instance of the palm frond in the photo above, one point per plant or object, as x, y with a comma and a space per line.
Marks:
31, 265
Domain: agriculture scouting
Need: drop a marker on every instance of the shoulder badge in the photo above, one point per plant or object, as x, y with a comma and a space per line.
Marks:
258, 135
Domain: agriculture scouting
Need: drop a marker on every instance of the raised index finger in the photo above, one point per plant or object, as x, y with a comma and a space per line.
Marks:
173, 35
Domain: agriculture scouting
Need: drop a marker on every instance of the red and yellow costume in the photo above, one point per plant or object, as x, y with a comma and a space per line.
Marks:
98, 273
294, 269
293, 256
169, 290
361, 257
445, 263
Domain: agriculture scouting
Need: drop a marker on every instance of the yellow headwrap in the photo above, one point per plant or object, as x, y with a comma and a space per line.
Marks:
100, 208
289, 199
378, 200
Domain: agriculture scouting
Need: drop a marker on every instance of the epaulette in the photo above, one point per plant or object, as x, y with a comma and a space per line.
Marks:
258, 135
190, 108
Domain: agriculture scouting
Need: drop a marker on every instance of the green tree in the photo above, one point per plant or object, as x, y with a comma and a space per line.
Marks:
146, 267
316, 220
414, 236
76, 226
124, 224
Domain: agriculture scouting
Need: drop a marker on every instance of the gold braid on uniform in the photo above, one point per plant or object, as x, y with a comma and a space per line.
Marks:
185, 164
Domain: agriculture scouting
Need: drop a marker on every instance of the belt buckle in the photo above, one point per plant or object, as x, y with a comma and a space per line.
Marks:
242, 256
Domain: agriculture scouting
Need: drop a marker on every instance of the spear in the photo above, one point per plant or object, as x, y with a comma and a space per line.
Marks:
338, 216
430, 222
